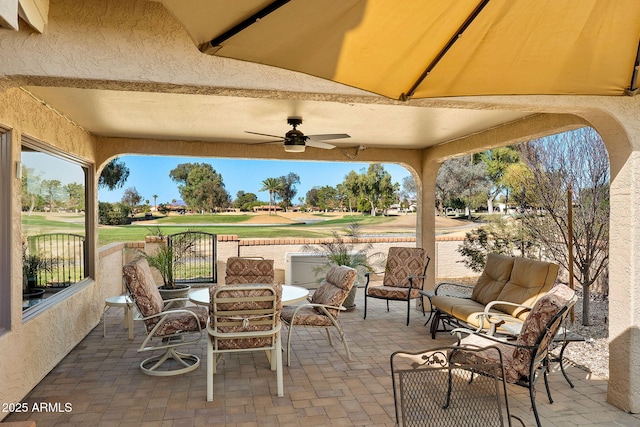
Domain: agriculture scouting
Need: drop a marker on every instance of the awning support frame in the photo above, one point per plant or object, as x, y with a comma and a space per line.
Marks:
407, 95
215, 44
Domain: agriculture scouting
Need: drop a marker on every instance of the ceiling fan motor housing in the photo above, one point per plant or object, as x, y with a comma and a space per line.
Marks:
294, 141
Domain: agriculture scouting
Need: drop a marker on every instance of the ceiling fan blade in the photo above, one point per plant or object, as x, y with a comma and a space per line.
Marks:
265, 134
318, 144
278, 141
328, 136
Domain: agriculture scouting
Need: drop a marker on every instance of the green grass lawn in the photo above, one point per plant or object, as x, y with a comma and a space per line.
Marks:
127, 233
203, 219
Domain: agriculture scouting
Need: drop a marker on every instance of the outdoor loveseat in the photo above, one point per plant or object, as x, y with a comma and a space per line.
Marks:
501, 299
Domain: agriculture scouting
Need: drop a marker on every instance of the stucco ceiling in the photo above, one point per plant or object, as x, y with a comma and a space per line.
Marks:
226, 118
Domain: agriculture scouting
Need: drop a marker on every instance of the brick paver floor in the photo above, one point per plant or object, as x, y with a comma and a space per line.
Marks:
99, 383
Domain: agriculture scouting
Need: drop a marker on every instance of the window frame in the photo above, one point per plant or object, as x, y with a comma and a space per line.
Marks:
5, 229
89, 224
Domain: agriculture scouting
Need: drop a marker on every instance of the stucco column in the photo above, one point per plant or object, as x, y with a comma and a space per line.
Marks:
624, 283
426, 226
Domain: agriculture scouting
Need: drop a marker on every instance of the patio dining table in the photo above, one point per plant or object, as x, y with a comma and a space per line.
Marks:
290, 295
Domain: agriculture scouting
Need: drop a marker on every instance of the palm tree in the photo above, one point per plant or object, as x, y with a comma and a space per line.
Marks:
272, 185
155, 201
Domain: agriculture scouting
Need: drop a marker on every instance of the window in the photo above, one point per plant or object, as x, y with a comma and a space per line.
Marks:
55, 245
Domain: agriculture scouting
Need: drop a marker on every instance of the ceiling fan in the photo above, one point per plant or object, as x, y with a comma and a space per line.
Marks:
295, 141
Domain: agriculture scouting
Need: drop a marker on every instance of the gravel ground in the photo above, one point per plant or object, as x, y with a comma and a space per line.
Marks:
593, 354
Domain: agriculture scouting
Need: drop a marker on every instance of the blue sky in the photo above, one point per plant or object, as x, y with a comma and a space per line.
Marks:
150, 175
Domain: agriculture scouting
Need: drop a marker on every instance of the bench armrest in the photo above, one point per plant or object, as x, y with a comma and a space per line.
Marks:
508, 324
459, 332
453, 289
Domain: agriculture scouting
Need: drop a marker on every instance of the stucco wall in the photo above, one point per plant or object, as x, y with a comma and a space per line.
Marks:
29, 350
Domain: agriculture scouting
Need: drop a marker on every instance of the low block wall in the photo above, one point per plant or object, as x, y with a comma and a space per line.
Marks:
447, 260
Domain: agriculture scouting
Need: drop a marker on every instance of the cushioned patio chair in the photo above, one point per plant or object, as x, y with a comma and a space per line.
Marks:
403, 279
249, 270
168, 326
324, 306
528, 356
430, 390
244, 318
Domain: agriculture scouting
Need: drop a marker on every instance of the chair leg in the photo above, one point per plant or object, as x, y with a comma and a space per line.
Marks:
279, 376
434, 324
546, 385
329, 337
408, 310
342, 336
532, 395
365, 303
289, 345
210, 370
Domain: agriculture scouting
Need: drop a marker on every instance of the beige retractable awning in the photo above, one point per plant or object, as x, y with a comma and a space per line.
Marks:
430, 48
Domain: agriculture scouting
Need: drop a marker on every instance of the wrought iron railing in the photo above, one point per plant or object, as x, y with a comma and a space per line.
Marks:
63, 258
195, 256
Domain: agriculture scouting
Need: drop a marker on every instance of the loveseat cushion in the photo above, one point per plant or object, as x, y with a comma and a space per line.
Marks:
463, 309
530, 279
495, 275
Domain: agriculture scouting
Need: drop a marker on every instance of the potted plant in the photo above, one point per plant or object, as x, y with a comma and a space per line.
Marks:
164, 260
342, 251
32, 266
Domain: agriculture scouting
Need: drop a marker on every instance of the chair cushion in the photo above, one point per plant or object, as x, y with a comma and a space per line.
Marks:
493, 278
141, 286
516, 360
488, 355
392, 292
249, 270
181, 322
307, 316
231, 291
333, 290
530, 279
402, 263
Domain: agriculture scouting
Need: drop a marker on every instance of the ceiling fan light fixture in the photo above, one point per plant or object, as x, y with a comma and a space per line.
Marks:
294, 148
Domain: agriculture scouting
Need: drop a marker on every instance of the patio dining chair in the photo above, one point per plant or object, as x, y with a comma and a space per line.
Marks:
403, 279
323, 307
249, 270
244, 318
526, 358
429, 389
169, 327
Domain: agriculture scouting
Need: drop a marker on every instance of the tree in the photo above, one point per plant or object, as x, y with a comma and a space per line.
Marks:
373, 187
272, 185
131, 198
575, 160
497, 162
312, 197
155, 201
327, 198
51, 191
409, 191
75, 196
245, 201
200, 186
287, 190
114, 175
460, 177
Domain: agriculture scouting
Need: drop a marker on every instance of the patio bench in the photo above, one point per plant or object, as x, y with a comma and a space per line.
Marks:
504, 294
